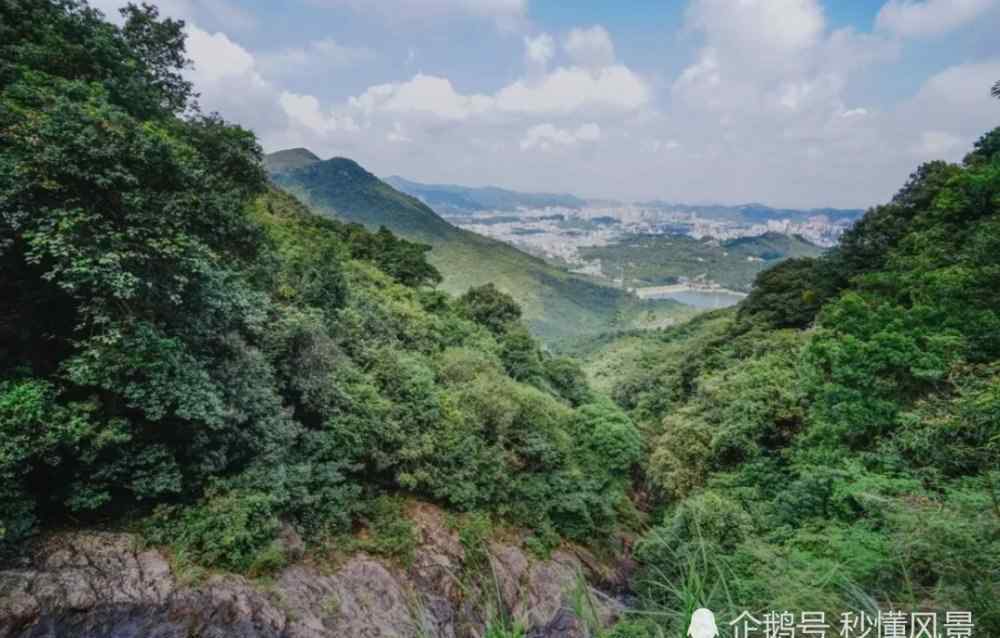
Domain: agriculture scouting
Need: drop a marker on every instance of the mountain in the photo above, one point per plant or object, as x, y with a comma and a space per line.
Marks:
755, 212
451, 199
771, 246
556, 303
656, 260
289, 159
463, 200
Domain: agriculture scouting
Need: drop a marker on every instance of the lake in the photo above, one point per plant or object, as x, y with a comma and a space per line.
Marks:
704, 298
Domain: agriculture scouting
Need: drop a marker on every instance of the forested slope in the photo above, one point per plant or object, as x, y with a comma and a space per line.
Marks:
834, 444
190, 352
557, 304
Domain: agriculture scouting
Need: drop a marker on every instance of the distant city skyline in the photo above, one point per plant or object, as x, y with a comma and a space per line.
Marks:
795, 103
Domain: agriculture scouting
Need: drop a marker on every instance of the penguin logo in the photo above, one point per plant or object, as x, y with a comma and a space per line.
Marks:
702, 624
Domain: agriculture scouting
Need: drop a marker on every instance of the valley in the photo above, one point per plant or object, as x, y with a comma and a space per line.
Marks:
251, 395
639, 245
557, 303
576, 267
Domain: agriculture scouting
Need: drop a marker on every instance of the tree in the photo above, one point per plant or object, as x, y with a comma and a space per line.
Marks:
125, 251
788, 295
488, 306
568, 379
521, 355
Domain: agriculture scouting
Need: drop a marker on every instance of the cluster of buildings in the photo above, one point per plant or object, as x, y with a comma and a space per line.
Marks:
557, 232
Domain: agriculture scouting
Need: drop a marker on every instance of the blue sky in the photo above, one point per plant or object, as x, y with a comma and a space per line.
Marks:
789, 102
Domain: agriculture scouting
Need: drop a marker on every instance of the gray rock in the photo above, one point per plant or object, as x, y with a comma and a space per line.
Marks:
103, 585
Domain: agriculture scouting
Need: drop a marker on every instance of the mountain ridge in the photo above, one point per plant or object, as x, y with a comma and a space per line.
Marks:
557, 304
754, 211
290, 158
459, 199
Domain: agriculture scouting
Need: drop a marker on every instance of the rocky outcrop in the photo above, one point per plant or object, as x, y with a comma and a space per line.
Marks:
97, 585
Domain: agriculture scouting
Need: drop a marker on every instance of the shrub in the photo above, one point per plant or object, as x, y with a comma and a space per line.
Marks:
225, 530
388, 532
490, 307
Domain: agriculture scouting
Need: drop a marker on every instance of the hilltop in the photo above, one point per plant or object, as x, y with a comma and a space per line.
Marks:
289, 159
556, 303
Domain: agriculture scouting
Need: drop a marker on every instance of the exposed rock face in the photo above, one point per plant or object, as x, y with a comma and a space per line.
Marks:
100, 585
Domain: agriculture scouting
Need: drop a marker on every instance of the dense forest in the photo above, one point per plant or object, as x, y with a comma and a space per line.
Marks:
188, 352
186, 342
834, 443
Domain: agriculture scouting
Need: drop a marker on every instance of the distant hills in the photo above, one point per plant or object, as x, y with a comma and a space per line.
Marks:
450, 199
453, 200
755, 213
657, 260
556, 303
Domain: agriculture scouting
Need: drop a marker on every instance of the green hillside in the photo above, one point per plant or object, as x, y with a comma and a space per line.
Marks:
289, 159
189, 353
657, 260
834, 442
556, 303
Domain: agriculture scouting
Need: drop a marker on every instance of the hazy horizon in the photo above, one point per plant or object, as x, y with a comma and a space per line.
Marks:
796, 103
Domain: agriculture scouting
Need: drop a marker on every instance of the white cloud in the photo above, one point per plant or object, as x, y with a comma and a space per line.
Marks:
774, 106
590, 47
424, 8
566, 90
227, 79
216, 57
964, 87
656, 145
216, 12
935, 144
539, 50
306, 110
858, 112
772, 58
317, 55
396, 135
769, 27
546, 136
952, 109
927, 18
563, 91
426, 94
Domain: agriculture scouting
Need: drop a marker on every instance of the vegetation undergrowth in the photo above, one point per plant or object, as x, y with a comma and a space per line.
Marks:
831, 445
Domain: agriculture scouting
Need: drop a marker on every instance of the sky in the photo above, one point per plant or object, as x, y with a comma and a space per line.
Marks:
799, 103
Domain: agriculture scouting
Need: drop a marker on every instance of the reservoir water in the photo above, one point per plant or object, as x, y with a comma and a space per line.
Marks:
704, 298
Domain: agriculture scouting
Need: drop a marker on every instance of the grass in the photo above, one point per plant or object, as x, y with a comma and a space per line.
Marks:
699, 579
387, 533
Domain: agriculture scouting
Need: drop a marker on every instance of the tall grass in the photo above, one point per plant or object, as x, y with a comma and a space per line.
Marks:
700, 578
